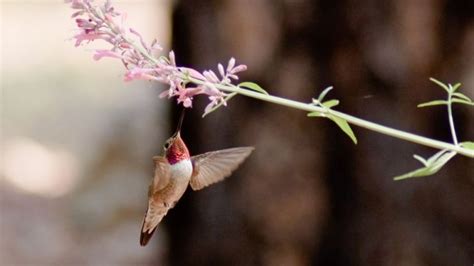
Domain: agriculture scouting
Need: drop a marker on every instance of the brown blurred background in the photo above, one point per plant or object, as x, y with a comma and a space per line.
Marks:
77, 141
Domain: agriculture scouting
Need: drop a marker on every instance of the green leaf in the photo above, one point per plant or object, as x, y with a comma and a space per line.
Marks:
432, 166
435, 157
421, 159
462, 96
467, 144
441, 84
323, 93
432, 103
342, 123
456, 100
455, 87
253, 86
316, 114
416, 173
330, 103
441, 161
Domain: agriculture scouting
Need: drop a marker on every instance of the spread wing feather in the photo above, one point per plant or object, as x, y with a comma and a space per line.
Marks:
214, 166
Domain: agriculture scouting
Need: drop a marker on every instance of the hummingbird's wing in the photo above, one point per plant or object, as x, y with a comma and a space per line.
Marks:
214, 166
156, 208
161, 176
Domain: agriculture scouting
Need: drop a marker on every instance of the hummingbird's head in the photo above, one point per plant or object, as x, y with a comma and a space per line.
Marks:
175, 149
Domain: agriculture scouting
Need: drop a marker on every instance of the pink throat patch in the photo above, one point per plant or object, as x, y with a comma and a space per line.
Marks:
177, 152
175, 157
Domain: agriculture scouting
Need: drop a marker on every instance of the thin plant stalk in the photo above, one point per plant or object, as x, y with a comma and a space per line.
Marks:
451, 119
350, 119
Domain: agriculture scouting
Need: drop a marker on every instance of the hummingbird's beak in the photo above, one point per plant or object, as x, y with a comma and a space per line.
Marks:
180, 123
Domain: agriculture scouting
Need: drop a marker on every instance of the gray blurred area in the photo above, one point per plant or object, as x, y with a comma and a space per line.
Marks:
77, 141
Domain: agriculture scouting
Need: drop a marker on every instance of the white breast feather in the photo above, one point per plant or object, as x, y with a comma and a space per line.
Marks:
182, 170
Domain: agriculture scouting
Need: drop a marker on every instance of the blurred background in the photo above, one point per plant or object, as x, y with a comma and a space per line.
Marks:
77, 142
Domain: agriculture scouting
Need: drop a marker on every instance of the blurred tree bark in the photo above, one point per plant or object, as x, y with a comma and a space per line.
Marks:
307, 195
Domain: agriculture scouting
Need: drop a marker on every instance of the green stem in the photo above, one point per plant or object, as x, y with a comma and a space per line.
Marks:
141, 50
350, 119
451, 119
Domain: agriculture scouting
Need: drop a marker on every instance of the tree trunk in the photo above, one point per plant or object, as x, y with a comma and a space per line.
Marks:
307, 195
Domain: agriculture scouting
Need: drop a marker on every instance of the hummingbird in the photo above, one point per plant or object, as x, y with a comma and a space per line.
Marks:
175, 169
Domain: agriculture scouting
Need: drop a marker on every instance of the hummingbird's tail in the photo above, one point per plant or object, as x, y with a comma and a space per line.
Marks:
145, 236
148, 228
153, 216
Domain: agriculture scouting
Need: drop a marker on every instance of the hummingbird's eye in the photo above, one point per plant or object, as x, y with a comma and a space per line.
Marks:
167, 145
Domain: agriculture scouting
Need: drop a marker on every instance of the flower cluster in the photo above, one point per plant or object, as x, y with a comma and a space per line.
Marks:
103, 22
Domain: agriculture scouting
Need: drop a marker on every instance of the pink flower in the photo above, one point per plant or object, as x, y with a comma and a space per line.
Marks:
214, 101
139, 37
87, 36
193, 73
166, 93
211, 90
77, 4
238, 69
232, 70
105, 53
85, 23
185, 95
155, 45
211, 76
128, 45
139, 73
